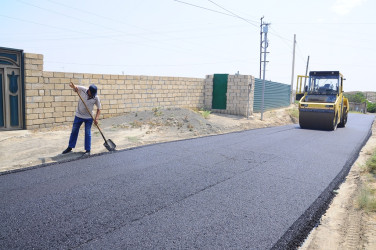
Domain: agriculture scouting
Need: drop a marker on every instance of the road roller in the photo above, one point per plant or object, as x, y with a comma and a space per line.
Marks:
322, 104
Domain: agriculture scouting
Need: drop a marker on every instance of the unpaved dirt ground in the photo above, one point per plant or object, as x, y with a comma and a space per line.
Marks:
344, 226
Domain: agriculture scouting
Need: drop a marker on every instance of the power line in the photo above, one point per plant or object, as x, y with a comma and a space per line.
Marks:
110, 28
76, 18
29, 21
90, 35
300, 53
176, 48
203, 8
43, 24
283, 39
75, 31
185, 38
144, 65
120, 21
234, 14
96, 14
319, 23
279, 36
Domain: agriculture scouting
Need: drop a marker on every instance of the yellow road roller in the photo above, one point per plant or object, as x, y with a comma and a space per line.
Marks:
322, 104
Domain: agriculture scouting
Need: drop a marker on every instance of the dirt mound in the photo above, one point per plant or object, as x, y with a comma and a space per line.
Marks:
178, 120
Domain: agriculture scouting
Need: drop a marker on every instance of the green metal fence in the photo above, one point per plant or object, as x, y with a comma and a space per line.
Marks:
276, 95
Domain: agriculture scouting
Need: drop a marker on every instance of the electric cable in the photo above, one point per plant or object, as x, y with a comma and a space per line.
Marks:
142, 44
235, 14
232, 14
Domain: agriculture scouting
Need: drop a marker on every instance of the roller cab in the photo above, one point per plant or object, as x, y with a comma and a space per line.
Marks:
323, 105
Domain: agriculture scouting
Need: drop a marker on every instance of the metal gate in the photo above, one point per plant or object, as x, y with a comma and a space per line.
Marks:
11, 89
219, 91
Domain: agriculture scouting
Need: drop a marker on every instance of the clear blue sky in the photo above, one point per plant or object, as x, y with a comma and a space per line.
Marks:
170, 38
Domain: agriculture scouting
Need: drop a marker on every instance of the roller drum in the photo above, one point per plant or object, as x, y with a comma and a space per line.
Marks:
318, 119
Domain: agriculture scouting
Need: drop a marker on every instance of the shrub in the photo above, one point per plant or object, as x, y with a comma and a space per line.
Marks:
371, 107
358, 97
205, 114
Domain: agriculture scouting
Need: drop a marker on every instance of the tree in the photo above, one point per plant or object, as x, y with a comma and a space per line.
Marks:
358, 97
371, 107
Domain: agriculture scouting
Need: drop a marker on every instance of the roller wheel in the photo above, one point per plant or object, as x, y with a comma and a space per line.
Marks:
334, 125
343, 122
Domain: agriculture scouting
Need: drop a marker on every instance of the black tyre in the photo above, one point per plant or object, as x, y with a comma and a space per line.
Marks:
343, 122
335, 123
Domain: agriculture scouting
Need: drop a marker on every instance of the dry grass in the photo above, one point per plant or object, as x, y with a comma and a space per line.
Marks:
367, 197
371, 164
136, 124
133, 139
157, 111
293, 112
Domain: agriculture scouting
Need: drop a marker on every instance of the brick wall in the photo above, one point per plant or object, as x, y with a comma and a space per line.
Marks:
240, 91
50, 101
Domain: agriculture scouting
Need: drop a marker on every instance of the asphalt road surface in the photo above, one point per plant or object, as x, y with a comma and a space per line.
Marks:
257, 189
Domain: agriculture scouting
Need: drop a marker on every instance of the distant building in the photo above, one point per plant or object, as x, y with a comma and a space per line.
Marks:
358, 107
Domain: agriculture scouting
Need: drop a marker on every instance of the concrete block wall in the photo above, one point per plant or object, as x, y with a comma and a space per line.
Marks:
50, 101
240, 92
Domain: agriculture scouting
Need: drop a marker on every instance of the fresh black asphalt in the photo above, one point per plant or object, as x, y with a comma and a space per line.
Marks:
256, 189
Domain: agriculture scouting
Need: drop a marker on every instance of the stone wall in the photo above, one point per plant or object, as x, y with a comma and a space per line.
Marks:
50, 101
240, 92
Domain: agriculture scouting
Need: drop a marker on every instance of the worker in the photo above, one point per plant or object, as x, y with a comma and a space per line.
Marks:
90, 97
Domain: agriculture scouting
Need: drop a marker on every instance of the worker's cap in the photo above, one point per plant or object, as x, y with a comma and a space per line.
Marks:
93, 90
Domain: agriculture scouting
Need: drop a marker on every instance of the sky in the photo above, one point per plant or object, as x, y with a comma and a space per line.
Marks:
195, 38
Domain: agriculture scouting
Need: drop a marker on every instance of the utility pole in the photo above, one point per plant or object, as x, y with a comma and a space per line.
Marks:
265, 31
261, 45
292, 74
306, 72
